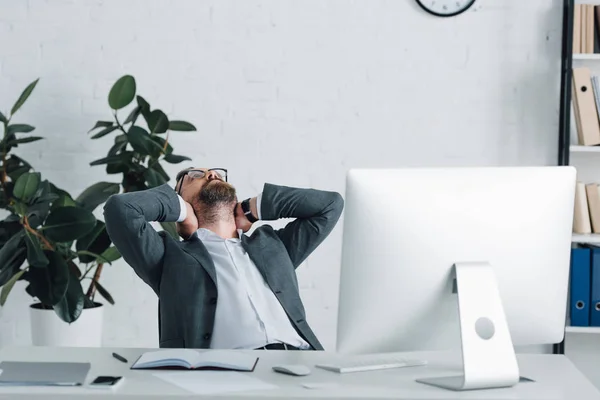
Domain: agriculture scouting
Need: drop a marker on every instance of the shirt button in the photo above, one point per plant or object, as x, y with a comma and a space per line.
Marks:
207, 336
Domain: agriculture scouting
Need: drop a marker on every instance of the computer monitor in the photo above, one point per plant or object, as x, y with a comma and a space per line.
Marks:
422, 244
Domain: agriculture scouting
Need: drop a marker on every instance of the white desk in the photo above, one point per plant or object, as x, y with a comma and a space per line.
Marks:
556, 378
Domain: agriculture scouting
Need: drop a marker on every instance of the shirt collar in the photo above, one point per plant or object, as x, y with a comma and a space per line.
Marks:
206, 234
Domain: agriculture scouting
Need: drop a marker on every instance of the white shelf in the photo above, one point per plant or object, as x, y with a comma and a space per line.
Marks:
583, 329
586, 57
586, 238
584, 149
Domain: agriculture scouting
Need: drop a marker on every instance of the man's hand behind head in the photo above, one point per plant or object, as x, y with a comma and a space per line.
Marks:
187, 228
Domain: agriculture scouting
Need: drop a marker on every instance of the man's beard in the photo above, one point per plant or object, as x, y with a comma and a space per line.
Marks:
216, 201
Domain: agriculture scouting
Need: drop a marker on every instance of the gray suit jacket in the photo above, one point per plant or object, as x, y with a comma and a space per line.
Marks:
182, 273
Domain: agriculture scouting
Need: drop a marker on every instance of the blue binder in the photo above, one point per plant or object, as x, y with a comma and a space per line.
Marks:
595, 288
579, 297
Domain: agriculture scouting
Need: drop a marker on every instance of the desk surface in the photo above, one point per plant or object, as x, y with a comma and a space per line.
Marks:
556, 377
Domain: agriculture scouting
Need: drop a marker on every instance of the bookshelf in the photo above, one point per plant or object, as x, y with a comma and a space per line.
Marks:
588, 238
570, 152
592, 57
583, 329
584, 149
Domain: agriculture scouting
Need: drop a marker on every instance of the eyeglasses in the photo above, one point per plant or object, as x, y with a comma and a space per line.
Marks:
199, 174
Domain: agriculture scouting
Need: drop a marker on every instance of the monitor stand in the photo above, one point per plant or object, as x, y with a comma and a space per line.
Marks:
489, 359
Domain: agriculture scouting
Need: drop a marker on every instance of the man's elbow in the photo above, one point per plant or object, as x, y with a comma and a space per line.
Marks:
336, 205
114, 209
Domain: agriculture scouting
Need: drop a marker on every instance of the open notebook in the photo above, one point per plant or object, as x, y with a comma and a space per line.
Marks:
194, 359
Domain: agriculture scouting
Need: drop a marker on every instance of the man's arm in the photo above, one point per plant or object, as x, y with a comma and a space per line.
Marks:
127, 216
316, 213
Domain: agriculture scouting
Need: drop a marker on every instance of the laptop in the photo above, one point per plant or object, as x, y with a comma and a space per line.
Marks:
20, 373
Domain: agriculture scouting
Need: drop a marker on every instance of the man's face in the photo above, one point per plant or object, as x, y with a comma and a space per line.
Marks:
205, 187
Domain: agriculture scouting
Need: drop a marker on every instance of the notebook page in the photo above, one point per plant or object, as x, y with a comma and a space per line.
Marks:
164, 357
226, 359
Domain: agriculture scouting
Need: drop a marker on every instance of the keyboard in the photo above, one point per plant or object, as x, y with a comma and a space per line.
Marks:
370, 363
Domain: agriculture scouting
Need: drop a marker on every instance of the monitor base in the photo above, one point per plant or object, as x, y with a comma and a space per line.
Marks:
489, 359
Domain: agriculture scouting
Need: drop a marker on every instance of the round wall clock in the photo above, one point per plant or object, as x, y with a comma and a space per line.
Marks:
445, 8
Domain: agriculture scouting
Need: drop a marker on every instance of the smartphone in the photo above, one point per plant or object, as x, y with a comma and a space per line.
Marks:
106, 382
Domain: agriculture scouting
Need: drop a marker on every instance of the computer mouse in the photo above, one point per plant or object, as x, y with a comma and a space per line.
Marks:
292, 369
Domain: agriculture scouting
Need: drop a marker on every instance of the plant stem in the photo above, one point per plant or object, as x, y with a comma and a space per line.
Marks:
34, 232
3, 176
92, 289
166, 142
87, 271
118, 123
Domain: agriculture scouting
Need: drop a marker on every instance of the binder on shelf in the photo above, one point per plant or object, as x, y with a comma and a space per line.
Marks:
595, 287
593, 200
590, 28
583, 28
584, 103
581, 217
579, 295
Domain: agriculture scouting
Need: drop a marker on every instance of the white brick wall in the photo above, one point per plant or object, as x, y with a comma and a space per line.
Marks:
292, 92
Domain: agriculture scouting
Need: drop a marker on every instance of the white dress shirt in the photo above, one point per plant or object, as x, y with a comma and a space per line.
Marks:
248, 314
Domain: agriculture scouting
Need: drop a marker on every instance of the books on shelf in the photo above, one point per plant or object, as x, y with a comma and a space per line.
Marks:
586, 29
196, 360
584, 286
586, 217
586, 105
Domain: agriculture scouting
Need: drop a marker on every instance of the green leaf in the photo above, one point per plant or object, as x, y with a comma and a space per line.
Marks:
159, 143
118, 146
13, 265
101, 124
122, 92
105, 132
35, 254
88, 255
70, 306
175, 159
3, 119
158, 122
144, 107
103, 292
58, 190
68, 223
117, 168
171, 229
158, 168
50, 284
133, 115
139, 140
9, 285
119, 158
153, 178
19, 128
181, 126
23, 97
111, 254
11, 252
97, 194
16, 174
27, 139
64, 200
20, 208
26, 186
94, 243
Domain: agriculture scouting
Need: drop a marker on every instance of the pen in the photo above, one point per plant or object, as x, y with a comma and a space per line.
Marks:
119, 357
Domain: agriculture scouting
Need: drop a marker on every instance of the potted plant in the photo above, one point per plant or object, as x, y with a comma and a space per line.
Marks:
138, 149
53, 242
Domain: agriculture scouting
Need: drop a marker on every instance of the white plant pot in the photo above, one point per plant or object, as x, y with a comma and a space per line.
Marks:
47, 329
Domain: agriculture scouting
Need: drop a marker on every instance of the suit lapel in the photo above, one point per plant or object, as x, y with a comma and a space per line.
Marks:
196, 249
255, 250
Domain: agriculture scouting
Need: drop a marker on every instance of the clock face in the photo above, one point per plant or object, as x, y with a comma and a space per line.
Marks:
445, 8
